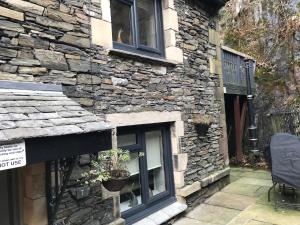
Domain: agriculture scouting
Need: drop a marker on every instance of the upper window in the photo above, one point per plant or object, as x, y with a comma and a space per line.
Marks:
137, 26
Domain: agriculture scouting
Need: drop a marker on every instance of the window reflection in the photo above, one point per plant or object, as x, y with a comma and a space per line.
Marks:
121, 22
155, 163
146, 20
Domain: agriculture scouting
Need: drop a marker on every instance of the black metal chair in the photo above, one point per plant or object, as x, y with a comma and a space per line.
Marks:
285, 166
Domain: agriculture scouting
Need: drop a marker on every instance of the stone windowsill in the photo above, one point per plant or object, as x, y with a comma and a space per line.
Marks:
163, 215
141, 57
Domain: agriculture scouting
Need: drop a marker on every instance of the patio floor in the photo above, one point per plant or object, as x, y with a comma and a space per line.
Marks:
243, 202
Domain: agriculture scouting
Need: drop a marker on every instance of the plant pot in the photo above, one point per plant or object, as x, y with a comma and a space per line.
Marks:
116, 183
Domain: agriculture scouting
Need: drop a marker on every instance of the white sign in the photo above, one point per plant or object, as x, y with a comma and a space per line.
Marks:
12, 156
225, 90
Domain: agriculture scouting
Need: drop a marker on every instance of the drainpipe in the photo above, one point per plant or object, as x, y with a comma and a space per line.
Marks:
249, 70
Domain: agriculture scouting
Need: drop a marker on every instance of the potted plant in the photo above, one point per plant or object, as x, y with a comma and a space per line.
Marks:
202, 123
110, 169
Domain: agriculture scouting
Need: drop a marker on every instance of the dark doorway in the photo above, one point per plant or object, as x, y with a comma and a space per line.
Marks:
9, 198
236, 120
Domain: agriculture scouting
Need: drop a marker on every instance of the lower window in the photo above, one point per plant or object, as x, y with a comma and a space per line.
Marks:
151, 183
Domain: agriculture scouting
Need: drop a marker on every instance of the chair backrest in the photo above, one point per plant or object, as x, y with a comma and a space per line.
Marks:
285, 156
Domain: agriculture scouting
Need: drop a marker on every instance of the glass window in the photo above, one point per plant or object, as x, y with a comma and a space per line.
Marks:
121, 22
137, 26
131, 194
126, 140
155, 162
150, 168
146, 18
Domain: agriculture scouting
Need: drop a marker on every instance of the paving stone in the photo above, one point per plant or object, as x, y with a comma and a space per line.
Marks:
229, 200
267, 214
242, 189
254, 181
189, 221
208, 213
259, 175
256, 222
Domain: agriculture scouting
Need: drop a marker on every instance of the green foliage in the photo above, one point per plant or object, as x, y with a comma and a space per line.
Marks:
108, 161
263, 29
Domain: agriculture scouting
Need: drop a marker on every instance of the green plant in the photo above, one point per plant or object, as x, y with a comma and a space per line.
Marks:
109, 164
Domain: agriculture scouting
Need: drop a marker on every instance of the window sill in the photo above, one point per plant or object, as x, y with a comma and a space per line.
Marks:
141, 57
163, 215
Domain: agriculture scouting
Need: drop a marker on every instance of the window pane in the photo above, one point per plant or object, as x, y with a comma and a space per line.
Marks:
131, 193
126, 140
121, 22
155, 162
146, 19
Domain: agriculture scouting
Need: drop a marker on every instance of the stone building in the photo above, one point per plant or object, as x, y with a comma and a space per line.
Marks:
144, 75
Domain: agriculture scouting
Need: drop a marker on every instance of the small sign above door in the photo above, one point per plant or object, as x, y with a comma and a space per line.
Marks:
12, 155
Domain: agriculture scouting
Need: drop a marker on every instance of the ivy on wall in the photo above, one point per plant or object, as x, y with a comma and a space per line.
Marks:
265, 30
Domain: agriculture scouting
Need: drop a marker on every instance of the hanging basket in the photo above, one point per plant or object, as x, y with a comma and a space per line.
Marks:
202, 129
202, 123
116, 183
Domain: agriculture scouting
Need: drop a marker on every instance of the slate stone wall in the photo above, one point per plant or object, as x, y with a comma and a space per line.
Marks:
52, 44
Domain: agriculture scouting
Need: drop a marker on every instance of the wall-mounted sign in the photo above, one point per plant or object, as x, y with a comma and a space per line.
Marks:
12, 155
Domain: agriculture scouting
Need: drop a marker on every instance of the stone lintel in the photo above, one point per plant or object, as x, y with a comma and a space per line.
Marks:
174, 54
150, 117
11, 14
189, 189
101, 33
180, 161
215, 177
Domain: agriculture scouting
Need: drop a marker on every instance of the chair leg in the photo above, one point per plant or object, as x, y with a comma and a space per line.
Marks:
269, 192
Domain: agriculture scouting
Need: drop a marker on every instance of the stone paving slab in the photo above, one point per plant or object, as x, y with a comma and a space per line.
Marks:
258, 175
229, 200
247, 190
189, 221
207, 213
243, 202
267, 214
256, 222
254, 181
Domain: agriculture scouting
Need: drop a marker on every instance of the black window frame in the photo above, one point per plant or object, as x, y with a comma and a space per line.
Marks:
136, 47
162, 199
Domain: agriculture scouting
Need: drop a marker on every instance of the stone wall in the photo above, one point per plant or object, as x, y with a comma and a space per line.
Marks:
50, 41
76, 209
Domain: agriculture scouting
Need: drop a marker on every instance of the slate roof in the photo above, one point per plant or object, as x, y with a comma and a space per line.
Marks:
29, 110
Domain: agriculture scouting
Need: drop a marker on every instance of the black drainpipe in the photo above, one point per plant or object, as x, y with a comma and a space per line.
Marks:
249, 69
